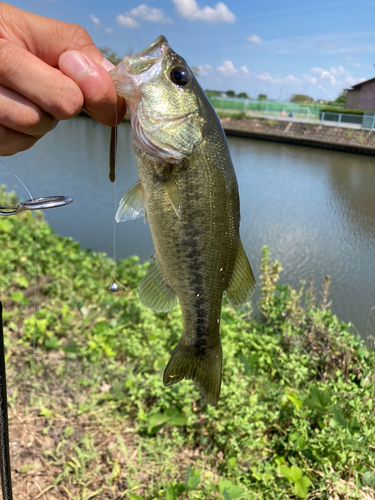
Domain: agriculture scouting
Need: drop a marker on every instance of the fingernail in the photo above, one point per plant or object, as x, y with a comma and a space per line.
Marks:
74, 64
107, 65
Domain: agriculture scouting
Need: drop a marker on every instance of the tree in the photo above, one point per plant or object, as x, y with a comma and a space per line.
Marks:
302, 99
231, 93
110, 55
212, 93
243, 95
340, 100
262, 97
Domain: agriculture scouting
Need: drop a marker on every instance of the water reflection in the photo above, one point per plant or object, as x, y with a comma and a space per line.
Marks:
353, 187
315, 209
73, 160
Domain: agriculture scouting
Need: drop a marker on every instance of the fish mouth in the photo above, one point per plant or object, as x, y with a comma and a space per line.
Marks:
157, 48
129, 75
147, 57
153, 126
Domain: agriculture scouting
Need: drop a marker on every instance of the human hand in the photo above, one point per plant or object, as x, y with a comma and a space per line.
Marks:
49, 71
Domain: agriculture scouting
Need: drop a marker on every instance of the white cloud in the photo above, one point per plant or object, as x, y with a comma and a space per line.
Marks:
109, 30
144, 13
329, 75
151, 14
290, 79
95, 20
358, 65
255, 39
189, 9
309, 78
350, 80
317, 82
204, 70
337, 77
126, 21
227, 69
335, 42
265, 76
337, 71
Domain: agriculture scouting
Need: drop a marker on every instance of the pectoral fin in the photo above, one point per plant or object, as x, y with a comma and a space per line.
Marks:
242, 281
131, 205
154, 291
171, 188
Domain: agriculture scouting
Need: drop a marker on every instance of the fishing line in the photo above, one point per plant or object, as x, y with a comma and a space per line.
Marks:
113, 156
31, 204
112, 161
34, 333
133, 23
9, 487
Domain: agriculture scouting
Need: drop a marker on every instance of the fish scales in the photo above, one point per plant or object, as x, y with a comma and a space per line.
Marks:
188, 190
187, 248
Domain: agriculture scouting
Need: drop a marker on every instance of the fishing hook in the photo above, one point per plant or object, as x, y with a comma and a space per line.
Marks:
37, 204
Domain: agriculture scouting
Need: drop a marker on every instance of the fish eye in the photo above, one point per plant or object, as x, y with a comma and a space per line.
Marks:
179, 76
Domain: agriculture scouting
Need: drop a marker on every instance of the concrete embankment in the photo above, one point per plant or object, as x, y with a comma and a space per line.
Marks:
303, 134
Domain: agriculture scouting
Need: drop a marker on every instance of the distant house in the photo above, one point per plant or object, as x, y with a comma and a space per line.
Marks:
361, 96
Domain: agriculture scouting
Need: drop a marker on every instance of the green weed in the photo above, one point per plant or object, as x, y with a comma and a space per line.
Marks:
295, 416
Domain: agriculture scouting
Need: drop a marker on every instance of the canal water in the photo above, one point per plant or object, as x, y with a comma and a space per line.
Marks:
315, 209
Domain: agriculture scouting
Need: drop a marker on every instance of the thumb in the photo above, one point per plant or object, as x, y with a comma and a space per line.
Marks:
100, 98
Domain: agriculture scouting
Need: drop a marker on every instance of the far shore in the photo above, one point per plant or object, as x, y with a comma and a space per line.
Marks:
357, 141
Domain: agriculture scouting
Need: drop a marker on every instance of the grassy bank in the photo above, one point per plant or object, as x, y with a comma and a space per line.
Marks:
90, 417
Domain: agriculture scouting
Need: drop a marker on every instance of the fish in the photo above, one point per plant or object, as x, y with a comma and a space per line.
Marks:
187, 189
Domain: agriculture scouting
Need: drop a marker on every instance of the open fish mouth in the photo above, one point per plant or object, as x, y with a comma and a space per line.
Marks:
147, 57
135, 70
163, 113
155, 48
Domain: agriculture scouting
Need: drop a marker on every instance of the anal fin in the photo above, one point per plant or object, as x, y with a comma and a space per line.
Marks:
154, 291
242, 282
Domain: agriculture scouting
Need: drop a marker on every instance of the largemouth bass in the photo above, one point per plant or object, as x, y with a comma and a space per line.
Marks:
188, 191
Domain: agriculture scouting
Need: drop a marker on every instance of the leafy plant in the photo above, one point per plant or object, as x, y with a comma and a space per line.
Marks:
295, 415
295, 476
229, 490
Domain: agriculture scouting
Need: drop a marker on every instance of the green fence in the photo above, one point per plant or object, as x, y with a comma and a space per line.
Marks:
310, 112
368, 120
267, 108
341, 118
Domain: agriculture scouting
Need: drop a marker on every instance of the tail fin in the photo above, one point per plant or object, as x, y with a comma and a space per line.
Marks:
202, 365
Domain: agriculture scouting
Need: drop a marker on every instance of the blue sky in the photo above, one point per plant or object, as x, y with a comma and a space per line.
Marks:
276, 48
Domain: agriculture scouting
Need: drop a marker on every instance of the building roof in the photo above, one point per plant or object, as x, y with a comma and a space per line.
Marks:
359, 85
